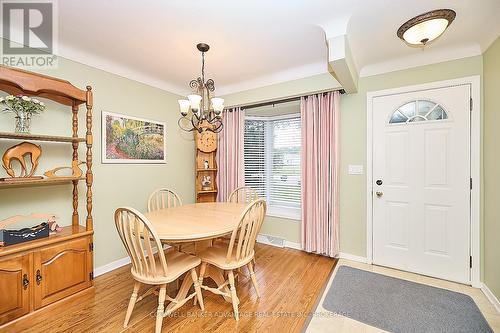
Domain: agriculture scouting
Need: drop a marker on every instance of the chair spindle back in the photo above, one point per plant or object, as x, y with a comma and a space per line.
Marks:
163, 198
244, 194
141, 243
243, 238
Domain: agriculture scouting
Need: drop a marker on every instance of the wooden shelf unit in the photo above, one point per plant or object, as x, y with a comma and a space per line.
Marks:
39, 182
45, 271
206, 150
36, 137
207, 191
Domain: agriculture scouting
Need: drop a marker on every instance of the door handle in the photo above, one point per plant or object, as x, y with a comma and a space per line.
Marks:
26, 282
379, 194
38, 277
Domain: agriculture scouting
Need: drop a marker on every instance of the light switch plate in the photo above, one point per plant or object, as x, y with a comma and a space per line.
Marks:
355, 169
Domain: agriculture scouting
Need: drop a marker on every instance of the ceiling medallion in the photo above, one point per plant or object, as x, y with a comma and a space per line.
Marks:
423, 29
205, 111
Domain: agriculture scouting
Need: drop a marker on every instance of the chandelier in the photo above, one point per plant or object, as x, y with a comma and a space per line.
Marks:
201, 112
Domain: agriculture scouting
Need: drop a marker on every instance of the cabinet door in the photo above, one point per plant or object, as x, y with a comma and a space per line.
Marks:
15, 287
61, 270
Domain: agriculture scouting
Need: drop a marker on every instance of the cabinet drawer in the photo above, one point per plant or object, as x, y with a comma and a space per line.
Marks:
61, 270
15, 287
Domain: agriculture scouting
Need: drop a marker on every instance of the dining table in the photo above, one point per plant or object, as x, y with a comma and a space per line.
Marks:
200, 223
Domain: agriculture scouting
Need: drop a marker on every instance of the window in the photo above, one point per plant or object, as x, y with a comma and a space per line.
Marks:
418, 111
255, 156
272, 162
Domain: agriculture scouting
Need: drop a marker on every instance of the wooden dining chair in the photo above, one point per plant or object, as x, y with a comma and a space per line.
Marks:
163, 198
151, 265
237, 254
243, 194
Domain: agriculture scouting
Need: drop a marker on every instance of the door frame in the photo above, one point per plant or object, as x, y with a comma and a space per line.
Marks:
475, 164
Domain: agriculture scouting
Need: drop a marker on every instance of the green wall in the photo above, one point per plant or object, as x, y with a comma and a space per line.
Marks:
285, 89
114, 185
491, 168
353, 138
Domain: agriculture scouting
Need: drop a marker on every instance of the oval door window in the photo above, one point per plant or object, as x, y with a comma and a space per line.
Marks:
420, 110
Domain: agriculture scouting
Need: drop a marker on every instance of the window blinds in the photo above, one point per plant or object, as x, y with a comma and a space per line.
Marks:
284, 182
272, 160
255, 156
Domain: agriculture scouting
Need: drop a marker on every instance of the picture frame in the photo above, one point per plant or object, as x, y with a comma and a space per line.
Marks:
132, 140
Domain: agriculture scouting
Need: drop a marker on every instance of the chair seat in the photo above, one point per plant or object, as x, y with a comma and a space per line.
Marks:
216, 255
178, 263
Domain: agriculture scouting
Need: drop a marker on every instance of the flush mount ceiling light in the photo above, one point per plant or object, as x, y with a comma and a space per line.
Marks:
424, 28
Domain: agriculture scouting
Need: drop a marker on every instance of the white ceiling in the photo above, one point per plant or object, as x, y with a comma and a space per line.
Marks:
259, 42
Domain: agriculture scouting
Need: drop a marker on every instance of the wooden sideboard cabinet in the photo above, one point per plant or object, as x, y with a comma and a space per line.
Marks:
15, 290
38, 273
61, 270
41, 276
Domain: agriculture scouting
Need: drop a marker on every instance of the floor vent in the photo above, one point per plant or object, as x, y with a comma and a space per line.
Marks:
271, 240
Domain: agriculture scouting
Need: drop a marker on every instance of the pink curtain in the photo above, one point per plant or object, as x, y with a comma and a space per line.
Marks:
230, 153
320, 117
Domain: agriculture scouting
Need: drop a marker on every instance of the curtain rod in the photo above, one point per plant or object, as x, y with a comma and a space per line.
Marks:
291, 99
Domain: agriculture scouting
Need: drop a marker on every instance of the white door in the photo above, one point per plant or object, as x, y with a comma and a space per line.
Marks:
421, 182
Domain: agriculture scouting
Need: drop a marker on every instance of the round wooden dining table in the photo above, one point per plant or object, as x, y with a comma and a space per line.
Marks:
199, 223
195, 222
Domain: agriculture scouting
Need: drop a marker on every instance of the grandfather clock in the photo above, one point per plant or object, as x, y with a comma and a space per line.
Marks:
206, 166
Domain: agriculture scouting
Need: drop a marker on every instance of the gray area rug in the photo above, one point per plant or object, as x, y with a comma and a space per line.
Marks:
397, 305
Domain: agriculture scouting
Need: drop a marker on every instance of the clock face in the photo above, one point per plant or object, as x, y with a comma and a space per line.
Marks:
207, 141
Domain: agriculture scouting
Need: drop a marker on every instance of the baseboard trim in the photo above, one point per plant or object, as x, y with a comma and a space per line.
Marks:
491, 297
291, 245
352, 257
111, 266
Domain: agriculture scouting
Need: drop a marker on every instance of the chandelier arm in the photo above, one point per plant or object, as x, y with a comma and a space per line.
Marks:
194, 84
217, 123
210, 120
195, 114
194, 126
218, 128
210, 85
183, 128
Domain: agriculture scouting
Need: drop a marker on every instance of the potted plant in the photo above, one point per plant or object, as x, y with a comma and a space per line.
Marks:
24, 108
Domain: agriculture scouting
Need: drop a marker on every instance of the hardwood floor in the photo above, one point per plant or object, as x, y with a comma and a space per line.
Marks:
290, 282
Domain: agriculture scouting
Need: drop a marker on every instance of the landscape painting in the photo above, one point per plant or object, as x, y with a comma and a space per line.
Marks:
127, 139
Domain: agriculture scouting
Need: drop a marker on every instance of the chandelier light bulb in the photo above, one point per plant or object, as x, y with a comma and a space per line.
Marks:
184, 106
194, 100
217, 104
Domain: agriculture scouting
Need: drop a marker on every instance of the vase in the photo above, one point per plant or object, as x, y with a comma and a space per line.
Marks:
23, 122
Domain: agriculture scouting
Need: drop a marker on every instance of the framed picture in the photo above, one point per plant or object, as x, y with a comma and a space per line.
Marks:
127, 139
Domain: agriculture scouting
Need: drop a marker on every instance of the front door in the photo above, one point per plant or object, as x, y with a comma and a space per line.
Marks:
421, 182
